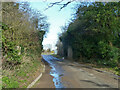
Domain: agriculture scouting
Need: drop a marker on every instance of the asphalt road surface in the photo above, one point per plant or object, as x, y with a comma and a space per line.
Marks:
66, 74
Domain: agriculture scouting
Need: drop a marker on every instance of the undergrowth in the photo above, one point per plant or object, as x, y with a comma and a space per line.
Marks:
18, 77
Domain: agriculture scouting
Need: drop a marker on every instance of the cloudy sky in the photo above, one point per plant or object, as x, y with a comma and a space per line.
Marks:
56, 19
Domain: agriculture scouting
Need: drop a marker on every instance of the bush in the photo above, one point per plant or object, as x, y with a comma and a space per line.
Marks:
113, 56
109, 54
103, 49
9, 83
11, 53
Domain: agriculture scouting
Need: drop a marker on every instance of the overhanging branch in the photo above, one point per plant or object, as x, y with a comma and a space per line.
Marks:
60, 3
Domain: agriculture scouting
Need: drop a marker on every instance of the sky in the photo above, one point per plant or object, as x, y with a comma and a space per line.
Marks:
55, 18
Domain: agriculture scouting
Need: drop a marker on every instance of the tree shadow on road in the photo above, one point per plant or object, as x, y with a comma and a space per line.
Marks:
100, 85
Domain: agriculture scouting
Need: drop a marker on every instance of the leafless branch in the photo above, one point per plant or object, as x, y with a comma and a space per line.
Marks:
60, 3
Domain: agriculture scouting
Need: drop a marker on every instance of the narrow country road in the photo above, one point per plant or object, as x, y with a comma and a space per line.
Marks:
65, 74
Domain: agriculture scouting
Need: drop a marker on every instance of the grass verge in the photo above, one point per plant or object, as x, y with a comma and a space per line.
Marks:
22, 75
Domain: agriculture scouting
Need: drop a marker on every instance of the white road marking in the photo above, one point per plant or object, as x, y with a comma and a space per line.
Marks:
33, 83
